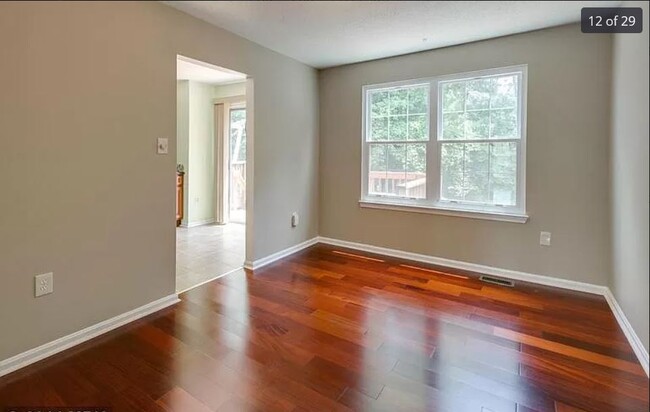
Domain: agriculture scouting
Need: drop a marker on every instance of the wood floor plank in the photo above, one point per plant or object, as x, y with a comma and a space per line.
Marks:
177, 400
332, 329
572, 351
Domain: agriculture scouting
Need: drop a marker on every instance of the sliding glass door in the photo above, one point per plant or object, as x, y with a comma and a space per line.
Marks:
237, 184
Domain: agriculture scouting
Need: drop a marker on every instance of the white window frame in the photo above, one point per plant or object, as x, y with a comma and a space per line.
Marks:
433, 203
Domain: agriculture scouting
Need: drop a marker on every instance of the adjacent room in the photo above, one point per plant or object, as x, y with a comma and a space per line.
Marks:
210, 172
324, 206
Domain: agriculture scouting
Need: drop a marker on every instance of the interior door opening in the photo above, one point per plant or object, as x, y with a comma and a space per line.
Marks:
211, 148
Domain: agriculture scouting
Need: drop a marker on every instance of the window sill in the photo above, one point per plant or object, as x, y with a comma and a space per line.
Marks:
437, 210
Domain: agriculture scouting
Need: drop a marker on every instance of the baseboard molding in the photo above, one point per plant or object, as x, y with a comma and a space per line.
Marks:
632, 337
474, 267
51, 348
198, 223
253, 265
638, 348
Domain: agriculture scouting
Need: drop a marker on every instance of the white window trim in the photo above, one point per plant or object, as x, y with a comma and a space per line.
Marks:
433, 204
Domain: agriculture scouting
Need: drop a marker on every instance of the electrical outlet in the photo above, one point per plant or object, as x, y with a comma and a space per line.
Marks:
545, 238
43, 284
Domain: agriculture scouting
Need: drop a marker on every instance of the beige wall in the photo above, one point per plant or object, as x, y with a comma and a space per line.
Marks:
88, 87
569, 76
630, 199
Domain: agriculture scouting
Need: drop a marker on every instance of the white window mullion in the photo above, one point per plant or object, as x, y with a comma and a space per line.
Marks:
365, 148
433, 175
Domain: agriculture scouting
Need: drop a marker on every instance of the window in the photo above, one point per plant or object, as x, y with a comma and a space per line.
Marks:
452, 144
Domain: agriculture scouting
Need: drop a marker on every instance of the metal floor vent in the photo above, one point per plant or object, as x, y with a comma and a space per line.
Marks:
497, 281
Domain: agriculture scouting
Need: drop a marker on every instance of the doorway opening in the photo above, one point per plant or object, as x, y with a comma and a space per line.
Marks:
211, 172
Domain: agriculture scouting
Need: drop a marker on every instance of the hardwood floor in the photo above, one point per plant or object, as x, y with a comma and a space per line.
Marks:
330, 329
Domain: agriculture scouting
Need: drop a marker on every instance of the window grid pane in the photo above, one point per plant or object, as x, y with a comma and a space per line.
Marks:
397, 170
481, 173
400, 114
485, 108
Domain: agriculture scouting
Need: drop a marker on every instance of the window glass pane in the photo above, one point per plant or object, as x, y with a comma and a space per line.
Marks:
453, 125
377, 168
477, 124
505, 92
396, 160
416, 168
479, 172
488, 108
418, 98
478, 94
379, 128
503, 123
476, 167
451, 179
453, 97
418, 127
238, 135
397, 128
503, 173
399, 114
398, 101
379, 103
387, 169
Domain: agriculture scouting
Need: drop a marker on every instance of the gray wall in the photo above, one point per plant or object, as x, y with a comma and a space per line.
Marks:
569, 77
87, 87
629, 167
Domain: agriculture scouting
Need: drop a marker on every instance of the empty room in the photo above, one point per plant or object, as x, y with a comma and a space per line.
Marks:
324, 206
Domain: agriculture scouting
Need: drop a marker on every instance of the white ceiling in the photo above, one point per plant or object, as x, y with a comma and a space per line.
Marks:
331, 33
190, 69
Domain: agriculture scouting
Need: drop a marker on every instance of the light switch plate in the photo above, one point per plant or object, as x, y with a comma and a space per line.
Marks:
43, 284
295, 219
163, 145
545, 238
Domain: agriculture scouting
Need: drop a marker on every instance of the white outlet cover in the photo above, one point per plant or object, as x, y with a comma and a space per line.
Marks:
162, 145
43, 284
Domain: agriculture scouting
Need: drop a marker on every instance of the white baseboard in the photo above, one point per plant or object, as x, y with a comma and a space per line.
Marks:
198, 223
638, 348
474, 267
51, 348
633, 339
279, 255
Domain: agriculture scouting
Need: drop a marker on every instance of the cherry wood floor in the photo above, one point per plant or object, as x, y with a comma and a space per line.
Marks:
331, 329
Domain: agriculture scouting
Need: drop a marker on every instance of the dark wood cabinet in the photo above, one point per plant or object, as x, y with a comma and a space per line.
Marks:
180, 181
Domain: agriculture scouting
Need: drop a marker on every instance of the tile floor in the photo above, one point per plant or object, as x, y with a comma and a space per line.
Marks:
205, 252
